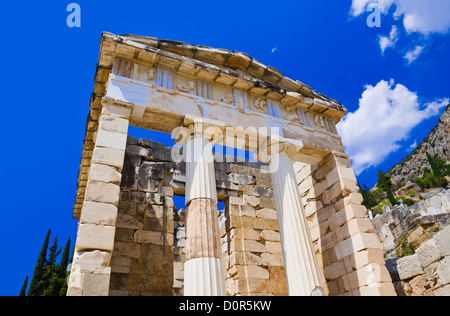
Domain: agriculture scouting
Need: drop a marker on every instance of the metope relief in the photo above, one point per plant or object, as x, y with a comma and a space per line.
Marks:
291, 114
319, 121
260, 105
186, 86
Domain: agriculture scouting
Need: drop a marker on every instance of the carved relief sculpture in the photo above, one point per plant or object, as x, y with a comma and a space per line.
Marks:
228, 99
186, 87
260, 104
318, 121
292, 114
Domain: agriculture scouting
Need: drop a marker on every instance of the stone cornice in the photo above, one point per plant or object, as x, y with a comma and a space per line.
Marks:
222, 67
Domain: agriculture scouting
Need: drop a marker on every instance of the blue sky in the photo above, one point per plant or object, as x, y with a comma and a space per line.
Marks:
48, 70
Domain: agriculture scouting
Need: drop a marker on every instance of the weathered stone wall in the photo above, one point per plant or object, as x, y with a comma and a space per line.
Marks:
348, 251
417, 223
427, 272
143, 255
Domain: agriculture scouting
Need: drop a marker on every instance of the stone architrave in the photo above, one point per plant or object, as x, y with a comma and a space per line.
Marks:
302, 270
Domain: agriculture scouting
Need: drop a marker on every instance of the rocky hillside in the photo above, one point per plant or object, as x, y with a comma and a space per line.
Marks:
437, 142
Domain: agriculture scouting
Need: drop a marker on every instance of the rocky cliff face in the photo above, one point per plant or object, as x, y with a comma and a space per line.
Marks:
437, 142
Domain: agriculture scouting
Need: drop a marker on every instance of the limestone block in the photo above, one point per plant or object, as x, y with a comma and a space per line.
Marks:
272, 259
113, 124
357, 243
109, 156
270, 235
331, 193
111, 139
247, 210
257, 272
369, 275
442, 241
348, 213
312, 207
127, 249
442, 291
353, 198
102, 192
120, 264
267, 213
334, 270
247, 233
251, 200
98, 214
156, 238
91, 261
379, 289
128, 221
428, 253
116, 110
254, 246
443, 271
362, 258
355, 226
306, 184
409, 267
243, 258
273, 247
104, 173
97, 237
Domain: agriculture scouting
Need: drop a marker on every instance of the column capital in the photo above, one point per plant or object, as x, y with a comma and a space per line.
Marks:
277, 145
199, 127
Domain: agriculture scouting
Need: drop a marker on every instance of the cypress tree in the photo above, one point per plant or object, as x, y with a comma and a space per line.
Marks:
436, 170
24, 287
39, 270
63, 269
385, 183
51, 280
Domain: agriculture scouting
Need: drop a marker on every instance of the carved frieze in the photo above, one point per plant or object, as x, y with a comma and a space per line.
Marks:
186, 86
292, 114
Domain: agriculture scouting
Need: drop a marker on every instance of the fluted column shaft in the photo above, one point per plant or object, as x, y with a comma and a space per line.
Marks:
203, 270
302, 270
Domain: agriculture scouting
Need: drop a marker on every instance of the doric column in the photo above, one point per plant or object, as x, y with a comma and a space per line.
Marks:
302, 270
91, 271
204, 273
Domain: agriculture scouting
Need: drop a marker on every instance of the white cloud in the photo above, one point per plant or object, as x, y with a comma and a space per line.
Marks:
359, 6
413, 145
423, 16
390, 41
412, 55
274, 49
386, 115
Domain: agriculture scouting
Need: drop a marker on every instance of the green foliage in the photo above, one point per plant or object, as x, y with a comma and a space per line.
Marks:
405, 247
39, 269
405, 200
379, 207
369, 198
24, 287
434, 167
49, 278
411, 193
385, 183
434, 178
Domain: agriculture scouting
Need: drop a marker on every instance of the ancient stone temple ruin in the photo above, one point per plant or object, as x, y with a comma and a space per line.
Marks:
292, 222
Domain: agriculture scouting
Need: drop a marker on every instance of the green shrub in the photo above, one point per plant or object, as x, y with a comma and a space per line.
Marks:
408, 201
411, 193
405, 247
